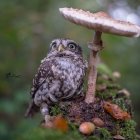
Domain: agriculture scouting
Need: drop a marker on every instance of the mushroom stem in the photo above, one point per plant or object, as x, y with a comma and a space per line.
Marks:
95, 46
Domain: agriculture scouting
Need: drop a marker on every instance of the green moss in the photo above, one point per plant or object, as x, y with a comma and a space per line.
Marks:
108, 94
127, 130
111, 89
101, 80
104, 134
55, 110
93, 138
111, 92
121, 103
113, 86
49, 134
102, 68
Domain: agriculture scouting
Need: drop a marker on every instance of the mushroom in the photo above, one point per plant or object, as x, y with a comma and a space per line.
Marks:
87, 128
100, 22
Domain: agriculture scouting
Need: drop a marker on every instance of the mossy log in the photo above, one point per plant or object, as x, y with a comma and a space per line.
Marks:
79, 111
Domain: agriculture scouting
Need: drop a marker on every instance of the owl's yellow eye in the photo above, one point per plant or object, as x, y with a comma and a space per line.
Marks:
53, 45
72, 46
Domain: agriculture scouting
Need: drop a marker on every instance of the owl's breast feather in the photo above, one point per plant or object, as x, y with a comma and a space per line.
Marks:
68, 70
63, 67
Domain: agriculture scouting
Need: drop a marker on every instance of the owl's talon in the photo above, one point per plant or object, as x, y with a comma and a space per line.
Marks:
47, 122
44, 109
47, 118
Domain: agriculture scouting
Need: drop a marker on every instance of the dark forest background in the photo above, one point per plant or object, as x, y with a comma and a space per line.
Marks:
26, 29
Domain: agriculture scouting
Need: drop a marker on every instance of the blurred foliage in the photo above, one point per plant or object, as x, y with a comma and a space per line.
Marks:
26, 29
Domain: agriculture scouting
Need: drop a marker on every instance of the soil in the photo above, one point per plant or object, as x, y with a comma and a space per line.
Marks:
78, 111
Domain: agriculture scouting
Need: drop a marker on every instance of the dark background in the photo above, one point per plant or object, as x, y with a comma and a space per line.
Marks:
26, 29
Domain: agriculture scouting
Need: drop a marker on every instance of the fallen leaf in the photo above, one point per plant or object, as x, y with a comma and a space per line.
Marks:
60, 123
116, 112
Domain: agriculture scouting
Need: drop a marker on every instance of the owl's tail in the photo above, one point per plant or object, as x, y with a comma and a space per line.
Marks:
31, 110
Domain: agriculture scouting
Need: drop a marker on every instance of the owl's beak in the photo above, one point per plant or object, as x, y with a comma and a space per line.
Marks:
61, 48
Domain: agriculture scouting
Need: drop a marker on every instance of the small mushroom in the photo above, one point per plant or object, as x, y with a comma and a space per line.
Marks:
116, 74
98, 122
118, 137
87, 128
100, 22
124, 92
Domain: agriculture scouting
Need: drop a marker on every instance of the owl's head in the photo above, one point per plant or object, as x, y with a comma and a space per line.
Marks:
65, 46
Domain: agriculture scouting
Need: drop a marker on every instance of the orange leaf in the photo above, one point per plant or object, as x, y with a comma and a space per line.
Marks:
116, 112
60, 123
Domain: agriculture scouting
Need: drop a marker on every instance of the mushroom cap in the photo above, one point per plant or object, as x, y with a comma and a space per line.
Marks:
100, 21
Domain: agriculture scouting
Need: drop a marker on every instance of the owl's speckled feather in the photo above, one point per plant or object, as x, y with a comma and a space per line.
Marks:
60, 76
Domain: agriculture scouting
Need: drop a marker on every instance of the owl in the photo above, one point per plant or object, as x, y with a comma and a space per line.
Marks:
59, 78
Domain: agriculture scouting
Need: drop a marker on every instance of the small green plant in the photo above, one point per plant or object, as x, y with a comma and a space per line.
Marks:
55, 110
127, 130
104, 134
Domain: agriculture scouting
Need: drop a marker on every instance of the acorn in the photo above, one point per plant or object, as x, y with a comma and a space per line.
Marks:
87, 128
98, 122
116, 75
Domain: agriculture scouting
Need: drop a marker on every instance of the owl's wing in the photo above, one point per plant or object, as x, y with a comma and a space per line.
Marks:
86, 64
43, 72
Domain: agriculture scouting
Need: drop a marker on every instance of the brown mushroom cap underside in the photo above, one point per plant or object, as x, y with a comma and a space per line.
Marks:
100, 22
